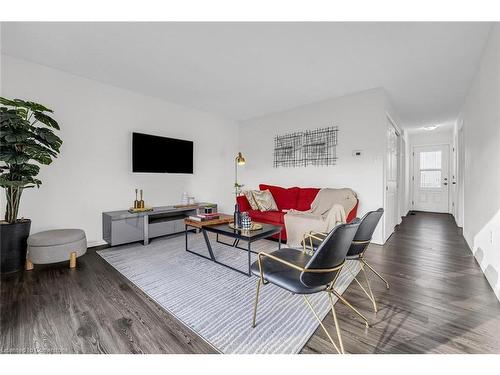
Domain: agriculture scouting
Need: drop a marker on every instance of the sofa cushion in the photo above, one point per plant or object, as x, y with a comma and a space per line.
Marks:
285, 198
305, 198
251, 199
265, 200
267, 216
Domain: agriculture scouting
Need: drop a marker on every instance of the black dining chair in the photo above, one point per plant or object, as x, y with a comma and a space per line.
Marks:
357, 249
304, 274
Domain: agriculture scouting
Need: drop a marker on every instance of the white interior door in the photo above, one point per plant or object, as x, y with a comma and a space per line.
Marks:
391, 193
430, 178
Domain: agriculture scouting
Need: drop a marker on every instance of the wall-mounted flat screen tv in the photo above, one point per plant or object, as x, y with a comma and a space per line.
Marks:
154, 154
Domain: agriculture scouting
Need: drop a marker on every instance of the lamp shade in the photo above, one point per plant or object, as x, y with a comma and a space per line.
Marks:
240, 160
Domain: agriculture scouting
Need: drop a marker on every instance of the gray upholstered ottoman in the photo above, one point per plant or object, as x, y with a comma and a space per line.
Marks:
56, 246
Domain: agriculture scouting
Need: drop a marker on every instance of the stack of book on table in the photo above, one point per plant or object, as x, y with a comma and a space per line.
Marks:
204, 217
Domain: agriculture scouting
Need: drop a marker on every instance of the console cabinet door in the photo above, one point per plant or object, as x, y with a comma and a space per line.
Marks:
161, 228
127, 230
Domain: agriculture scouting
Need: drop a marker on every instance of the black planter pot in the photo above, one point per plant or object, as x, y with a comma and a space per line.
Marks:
13, 245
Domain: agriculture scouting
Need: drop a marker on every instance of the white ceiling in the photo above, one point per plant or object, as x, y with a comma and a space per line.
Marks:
244, 70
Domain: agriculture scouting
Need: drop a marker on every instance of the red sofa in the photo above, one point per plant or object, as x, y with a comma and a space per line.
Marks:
297, 198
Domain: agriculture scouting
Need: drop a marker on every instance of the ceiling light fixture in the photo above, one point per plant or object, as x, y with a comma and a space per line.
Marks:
430, 127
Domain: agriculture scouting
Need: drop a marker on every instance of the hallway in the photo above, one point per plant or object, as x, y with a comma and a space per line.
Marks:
439, 300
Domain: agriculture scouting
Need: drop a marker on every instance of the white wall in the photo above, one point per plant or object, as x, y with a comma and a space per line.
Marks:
361, 119
481, 124
437, 136
93, 173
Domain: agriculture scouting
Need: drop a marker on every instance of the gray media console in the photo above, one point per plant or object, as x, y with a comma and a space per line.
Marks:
121, 227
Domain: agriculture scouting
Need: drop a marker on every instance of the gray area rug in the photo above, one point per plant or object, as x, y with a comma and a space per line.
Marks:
216, 302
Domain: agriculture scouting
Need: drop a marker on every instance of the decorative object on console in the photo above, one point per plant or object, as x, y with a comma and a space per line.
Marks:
27, 136
141, 201
265, 200
310, 147
136, 202
139, 205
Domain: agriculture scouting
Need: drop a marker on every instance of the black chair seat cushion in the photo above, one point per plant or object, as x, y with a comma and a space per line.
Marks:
284, 276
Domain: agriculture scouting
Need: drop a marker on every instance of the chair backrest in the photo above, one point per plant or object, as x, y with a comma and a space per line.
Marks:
365, 231
330, 254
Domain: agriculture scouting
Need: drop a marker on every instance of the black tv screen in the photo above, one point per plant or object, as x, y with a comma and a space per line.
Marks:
155, 154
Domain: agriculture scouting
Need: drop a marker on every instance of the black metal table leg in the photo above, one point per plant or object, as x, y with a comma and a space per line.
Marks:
212, 257
207, 241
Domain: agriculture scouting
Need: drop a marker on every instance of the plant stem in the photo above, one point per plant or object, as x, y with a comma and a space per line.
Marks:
13, 198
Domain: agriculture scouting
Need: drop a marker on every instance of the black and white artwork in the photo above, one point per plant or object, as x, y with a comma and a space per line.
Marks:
309, 147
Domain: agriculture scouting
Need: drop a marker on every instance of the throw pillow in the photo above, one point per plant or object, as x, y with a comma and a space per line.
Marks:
265, 200
251, 199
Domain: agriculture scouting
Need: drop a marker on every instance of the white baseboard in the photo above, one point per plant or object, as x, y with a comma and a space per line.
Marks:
96, 243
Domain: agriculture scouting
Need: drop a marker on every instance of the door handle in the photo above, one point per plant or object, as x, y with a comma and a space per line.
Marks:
453, 182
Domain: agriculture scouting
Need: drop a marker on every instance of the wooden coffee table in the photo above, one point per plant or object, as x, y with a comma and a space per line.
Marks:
220, 227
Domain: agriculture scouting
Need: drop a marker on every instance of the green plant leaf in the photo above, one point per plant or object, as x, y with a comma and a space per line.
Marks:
11, 118
5, 101
16, 136
37, 107
47, 120
11, 156
30, 169
48, 138
39, 153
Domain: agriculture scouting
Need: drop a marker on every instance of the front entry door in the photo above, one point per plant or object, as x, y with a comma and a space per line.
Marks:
430, 178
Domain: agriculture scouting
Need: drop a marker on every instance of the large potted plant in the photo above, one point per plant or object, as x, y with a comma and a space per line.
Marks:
27, 140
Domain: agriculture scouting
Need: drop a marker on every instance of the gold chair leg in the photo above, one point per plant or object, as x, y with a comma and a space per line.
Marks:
259, 281
29, 265
345, 302
337, 326
370, 296
376, 273
322, 325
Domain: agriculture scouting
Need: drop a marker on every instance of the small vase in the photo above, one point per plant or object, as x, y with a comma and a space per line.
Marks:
246, 221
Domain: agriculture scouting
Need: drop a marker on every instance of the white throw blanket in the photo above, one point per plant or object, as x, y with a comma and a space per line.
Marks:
329, 208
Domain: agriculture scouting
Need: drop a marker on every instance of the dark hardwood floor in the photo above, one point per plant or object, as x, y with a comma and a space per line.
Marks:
439, 302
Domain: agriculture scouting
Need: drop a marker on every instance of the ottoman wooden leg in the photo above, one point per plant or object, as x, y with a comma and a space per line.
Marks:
72, 260
29, 265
